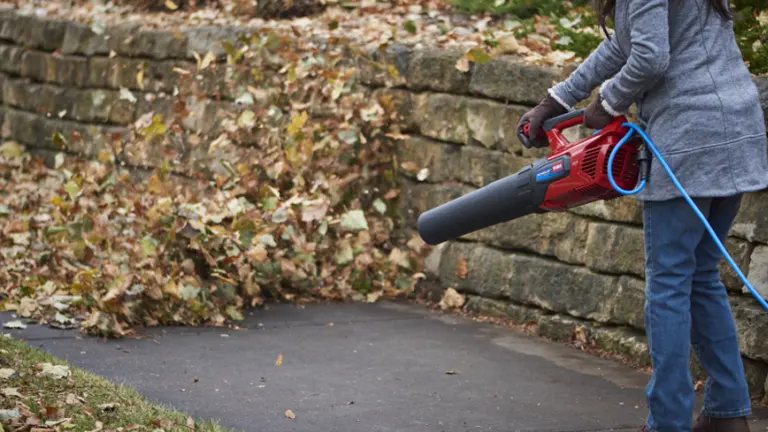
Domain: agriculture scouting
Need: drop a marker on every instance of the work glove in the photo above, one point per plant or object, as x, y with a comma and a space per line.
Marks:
595, 116
544, 111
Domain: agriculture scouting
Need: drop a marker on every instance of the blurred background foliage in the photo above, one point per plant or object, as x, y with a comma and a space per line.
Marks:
576, 25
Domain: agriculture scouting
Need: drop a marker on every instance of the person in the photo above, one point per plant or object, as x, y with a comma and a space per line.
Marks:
678, 62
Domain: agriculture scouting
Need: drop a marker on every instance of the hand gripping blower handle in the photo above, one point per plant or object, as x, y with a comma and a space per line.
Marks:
572, 175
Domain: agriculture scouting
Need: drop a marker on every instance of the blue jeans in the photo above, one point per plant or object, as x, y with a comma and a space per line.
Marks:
687, 305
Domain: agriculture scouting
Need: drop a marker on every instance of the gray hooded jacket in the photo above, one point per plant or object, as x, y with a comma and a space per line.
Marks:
678, 61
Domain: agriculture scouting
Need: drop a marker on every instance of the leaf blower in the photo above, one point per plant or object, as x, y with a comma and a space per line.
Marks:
603, 166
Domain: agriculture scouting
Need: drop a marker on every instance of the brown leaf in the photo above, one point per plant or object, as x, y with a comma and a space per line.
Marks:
191, 423
461, 268
279, 361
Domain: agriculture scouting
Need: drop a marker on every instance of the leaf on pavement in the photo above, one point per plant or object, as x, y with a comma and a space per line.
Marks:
15, 325
279, 360
289, 414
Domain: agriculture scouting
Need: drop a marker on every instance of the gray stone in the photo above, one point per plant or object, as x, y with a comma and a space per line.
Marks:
200, 40
122, 37
399, 108
505, 78
10, 59
627, 305
740, 251
517, 314
758, 270
122, 111
752, 326
527, 280
35, 65
20, 29
756, 373
123, 72
493, 124
157, 44
623, 209
445, 118
99, 72
752, 221
387, 68
14, 92
22, 127
559, 328
418, 198
33, 33
473, 165
54, 33
6, 27
434, 69
94, 106
79, 39
559, 235
68, 70
617, 249
630, 344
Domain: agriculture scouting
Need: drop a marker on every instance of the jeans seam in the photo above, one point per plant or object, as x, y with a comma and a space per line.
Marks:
728, 414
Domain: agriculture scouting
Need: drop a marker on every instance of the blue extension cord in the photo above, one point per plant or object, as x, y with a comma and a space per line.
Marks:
649, 143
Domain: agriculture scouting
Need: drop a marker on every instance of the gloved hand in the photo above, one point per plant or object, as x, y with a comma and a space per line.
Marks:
544, 111
595, 116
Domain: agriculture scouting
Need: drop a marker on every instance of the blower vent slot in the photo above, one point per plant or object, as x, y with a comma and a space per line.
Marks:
589, 165
618, 162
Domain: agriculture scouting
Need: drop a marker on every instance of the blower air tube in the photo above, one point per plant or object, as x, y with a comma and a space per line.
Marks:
503, 200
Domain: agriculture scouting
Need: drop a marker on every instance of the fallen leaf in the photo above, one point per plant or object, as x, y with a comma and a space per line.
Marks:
289, 414
190, 423
15, 325
461, 268
6, 373
451, 372
11, 392
55, 371
126, 94
108, 407
451, 300
354, 220
11, 150
171, 5
462, 64
477, 55
279, 361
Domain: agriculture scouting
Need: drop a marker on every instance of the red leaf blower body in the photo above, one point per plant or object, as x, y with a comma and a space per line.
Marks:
573, 175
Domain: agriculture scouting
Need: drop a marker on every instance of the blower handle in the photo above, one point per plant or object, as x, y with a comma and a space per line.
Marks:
554, 126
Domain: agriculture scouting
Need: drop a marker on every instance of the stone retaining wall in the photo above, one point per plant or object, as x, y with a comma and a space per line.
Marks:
578, 275
92, 89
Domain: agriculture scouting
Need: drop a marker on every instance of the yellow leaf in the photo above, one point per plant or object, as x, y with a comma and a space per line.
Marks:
155, 185
156, 128
297, 122
279, 360
289, 414
171, 5
207, 60
393, 72
140, 79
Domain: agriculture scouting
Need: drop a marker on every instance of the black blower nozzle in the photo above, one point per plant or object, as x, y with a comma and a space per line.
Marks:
509, 198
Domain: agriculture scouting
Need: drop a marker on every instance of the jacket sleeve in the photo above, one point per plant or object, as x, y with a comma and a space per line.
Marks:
603, 63
648, 59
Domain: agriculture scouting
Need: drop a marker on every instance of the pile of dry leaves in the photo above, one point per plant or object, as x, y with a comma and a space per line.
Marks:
308, 211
